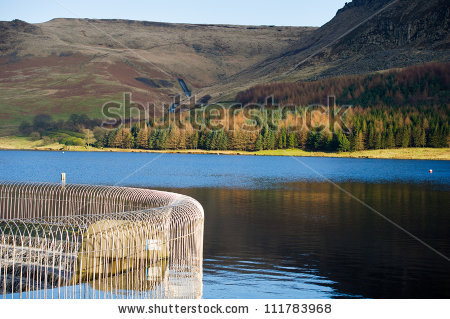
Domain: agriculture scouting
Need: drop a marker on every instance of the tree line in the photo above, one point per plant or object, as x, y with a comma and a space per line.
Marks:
367, 128
427, 84
45, 122
400, 108
370, 128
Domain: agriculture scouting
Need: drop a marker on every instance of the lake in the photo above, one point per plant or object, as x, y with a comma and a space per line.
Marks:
283, 227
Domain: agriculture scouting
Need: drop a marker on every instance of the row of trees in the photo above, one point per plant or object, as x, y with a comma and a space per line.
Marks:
44, 122
427, 84
370, 128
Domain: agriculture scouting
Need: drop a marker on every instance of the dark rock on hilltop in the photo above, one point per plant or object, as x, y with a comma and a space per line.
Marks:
19, 26
375, 4
9, 39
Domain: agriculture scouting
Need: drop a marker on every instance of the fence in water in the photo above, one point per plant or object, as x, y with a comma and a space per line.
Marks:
80, 241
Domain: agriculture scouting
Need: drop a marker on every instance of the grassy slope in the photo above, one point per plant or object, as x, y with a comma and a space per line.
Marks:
69, 66
14, 142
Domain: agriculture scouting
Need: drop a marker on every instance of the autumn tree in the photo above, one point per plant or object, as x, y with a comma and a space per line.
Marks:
292, 140
89, 138
142, 138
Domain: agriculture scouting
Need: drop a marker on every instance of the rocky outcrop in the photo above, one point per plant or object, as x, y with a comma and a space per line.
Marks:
9, 40
422, 25
374, 4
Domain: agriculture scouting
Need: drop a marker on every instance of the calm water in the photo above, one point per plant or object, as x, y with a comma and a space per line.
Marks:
276, 228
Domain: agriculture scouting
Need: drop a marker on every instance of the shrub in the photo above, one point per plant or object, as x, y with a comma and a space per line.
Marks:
25, 128
70, 140
35, 136
46, 140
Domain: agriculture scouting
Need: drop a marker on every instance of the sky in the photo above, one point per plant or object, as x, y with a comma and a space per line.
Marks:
246, 12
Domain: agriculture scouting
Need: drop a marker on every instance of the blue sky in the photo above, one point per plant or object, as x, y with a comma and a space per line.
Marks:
261, 12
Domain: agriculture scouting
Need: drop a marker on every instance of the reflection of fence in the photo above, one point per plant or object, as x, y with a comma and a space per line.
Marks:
80, 241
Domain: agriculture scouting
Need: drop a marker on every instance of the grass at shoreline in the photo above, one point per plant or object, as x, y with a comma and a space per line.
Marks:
24, 143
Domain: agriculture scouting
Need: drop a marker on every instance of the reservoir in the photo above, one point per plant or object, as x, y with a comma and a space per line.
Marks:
284, 227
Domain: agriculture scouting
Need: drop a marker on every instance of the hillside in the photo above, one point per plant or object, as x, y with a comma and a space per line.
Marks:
69, 66
364, 36
420, 85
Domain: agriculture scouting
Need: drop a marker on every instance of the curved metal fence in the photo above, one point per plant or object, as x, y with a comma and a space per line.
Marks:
81, 241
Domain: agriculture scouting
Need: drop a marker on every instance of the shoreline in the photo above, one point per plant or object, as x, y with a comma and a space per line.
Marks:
25, 144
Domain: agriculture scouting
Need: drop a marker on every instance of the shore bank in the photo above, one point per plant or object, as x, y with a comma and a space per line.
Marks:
25, 143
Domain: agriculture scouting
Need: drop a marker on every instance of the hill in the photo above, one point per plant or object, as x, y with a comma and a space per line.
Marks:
69, 66
420, 85
365, 36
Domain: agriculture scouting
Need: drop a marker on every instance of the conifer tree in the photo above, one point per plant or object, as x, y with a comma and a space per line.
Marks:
389, 139
182, 143
416, 132
371, 137
128, 139
142, 138
259, 143
283, 138
311, 140
173, 138
152, 140
111, 138
406, 137
344, 144
434, 137
280, 141
292, 141
194, 140
378, 140
161, 139
301, 138
443, 136
398, 137
222, 140
202, 140
123, 139
119, 138
269, 138
135, 129
423, 139
358, 141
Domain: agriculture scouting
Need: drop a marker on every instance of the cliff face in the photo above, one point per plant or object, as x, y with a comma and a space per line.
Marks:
422, 25
407, 33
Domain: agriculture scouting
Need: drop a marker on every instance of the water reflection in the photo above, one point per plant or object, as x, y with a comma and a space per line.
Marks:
311, 240
159, 280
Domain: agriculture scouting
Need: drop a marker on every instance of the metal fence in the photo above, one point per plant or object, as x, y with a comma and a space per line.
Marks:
80, 241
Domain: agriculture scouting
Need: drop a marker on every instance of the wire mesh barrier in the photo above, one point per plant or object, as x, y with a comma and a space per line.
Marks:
80, 241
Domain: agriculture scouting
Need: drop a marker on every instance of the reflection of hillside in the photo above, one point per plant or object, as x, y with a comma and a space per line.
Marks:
316, 228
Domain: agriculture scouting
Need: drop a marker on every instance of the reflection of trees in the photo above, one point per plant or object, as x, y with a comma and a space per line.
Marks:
315, 225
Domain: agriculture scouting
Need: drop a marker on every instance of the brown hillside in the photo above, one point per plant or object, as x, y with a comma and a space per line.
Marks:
365, 36
66, 66
75, 65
